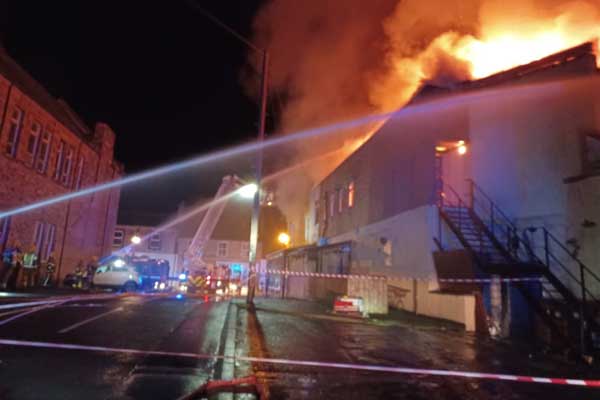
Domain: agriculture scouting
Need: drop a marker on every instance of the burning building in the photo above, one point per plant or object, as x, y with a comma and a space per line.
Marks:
480, 180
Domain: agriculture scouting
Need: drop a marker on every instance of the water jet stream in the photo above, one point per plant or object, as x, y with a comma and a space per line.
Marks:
436, 104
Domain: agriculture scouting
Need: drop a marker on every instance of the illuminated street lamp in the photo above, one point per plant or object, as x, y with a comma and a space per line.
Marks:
462, 149
135, 239
284, 239
248, 191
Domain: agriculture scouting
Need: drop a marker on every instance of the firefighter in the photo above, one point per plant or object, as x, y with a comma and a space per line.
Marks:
90, 270
29, 267
79, 269
9, 264
14, 259
50, 268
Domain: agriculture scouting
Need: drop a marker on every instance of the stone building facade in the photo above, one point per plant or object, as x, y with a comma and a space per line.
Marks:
46, 150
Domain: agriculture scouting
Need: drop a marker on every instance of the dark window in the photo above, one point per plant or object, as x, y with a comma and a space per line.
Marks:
38, 236
50, 241
155, 242
67, 166
14, 130
222, 249
59, 160
118, 237
41, 163
4, 225
33, 141
79, 172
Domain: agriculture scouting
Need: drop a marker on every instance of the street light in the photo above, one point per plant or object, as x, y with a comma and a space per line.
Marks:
284, 239
248, 191
135, 239
264, 74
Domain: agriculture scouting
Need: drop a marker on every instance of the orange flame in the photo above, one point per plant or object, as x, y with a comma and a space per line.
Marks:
504, 43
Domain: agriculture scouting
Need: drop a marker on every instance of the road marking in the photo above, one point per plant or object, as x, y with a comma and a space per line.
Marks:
27, 304
13, 312
86, 321
30, 311
320, 364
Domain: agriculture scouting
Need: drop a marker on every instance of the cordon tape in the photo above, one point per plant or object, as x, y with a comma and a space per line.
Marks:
391, 278
283, 361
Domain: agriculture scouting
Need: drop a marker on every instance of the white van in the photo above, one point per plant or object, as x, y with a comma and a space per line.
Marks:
117, 275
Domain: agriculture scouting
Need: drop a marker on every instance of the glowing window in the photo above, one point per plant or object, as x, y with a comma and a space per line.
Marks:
351, 195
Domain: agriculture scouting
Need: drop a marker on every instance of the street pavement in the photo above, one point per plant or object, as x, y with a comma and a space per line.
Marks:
301, 330
287, 329
134, 322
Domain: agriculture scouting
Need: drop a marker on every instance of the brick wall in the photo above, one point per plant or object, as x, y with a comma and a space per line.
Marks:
80, 226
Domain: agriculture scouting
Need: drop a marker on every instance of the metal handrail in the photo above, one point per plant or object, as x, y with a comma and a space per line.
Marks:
574, 257
492, 203
512, 233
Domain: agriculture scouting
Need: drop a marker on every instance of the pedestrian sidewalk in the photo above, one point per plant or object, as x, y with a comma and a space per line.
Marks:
308, 331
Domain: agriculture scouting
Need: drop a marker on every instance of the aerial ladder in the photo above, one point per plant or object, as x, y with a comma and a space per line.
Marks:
193, 256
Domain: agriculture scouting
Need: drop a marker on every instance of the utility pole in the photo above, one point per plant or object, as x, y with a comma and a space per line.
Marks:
254, 223
261, 136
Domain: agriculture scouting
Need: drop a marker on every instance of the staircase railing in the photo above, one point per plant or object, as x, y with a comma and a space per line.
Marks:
448, 198
558, 257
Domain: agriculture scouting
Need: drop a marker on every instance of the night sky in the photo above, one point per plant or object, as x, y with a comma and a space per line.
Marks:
162, 75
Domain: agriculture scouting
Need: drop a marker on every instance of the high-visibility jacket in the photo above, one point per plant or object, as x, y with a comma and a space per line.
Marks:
29, 260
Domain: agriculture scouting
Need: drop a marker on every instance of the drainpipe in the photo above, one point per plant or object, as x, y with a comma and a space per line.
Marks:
66, 224
107, 212
2, 122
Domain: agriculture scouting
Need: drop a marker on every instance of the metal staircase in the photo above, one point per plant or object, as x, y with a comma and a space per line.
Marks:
498, 248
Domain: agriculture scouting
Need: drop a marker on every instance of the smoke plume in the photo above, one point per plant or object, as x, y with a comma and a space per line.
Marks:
335, 60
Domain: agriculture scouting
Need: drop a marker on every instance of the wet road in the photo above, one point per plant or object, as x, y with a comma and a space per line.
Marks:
299, 330
138, 322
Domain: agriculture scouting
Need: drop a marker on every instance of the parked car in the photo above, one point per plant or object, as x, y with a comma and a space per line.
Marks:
117, 275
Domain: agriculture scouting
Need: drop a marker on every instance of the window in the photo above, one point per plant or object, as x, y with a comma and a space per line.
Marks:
4, 225
331, 204
50, 241
38, 236
14, 130
59, 160
118, 238
340, 200
154, 243
79, 172
33, 140
351, 195
245, 250
41, 162
67, 166
222, 249
316, 212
